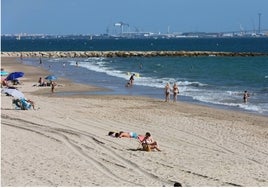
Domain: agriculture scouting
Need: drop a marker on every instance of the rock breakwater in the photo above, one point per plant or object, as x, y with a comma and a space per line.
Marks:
85, 54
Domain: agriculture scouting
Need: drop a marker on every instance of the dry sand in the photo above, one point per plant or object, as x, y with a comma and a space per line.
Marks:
65, 142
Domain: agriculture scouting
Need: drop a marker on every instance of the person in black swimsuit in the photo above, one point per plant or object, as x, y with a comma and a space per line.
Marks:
131, 79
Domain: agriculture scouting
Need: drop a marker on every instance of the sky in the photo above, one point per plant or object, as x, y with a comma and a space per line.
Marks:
61, 17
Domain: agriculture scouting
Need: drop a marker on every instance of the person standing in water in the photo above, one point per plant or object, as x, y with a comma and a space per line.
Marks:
131, 79
246, 96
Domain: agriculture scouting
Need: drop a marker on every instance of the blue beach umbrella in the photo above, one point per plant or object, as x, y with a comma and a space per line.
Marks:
14, 75
51, 77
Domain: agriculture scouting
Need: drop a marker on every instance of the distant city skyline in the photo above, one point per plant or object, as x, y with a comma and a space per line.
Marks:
63, 17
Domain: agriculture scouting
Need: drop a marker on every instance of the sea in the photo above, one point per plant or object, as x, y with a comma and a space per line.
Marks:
218, 82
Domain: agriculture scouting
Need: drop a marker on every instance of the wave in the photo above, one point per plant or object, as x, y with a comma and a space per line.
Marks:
54, 60
196, 90
231, 102
235, 93
98, 65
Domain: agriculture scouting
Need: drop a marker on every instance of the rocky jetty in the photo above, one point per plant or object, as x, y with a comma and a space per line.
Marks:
85, 54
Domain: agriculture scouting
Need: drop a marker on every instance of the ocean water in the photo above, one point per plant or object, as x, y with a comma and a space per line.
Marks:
188, 44
214, 81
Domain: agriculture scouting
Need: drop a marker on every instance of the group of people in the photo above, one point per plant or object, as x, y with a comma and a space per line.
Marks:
146, 140
176, 92
168, 92
19, 102
42, 83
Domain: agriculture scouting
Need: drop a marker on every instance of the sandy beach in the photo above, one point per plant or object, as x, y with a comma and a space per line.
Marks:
64, 142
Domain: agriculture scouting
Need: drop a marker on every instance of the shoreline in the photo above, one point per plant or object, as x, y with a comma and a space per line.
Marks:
72, 87
65, 142
140, 90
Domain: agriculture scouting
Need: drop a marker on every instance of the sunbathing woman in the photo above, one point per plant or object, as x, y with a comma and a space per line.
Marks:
122, 134
148, 143
127, 135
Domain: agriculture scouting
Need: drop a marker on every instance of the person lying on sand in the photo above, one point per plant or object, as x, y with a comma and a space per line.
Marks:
147, 141
127, 135
122, 134
111, 133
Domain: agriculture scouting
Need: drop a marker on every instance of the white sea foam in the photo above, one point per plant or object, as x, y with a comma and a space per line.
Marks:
224, 98
194, 89
54, 60
234, 93
100, 66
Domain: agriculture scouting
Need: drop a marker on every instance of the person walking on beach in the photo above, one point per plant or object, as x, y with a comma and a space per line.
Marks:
246, 96
167, 92
53, 84
175, 92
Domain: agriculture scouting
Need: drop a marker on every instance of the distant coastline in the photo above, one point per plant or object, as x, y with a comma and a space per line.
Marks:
143, 35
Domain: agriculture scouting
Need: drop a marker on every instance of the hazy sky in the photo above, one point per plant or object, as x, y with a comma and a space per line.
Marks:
96, 16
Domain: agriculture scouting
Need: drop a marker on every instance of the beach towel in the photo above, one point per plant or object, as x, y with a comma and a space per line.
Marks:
140, 138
